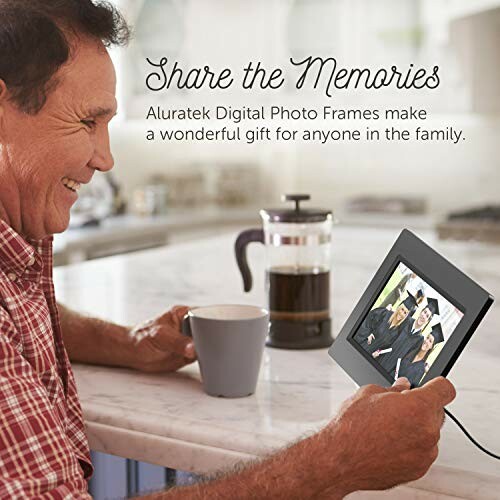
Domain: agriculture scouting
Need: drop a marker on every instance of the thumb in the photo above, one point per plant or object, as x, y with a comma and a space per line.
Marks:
401, 384
179, 312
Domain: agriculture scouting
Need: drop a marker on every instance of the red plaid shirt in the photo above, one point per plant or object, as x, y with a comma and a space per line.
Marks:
43, 447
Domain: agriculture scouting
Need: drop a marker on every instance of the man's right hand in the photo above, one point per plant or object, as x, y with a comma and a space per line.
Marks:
381, 438
389, 436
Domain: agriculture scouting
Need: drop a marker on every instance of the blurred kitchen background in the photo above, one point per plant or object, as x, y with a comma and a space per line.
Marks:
162, 193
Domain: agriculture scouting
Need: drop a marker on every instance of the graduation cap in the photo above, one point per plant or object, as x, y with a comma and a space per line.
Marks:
419, 296
437, 333
410, 303
432, 305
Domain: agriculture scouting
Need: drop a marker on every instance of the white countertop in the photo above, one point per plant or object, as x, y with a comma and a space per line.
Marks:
168, 420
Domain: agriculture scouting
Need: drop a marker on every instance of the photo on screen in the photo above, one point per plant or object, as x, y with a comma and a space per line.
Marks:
407, 326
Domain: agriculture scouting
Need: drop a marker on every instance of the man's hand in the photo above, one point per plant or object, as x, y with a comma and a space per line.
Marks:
389, 436
155, 346
159, 346
381, 438
371, 338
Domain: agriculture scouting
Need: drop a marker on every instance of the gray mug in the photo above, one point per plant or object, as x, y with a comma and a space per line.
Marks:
229, 341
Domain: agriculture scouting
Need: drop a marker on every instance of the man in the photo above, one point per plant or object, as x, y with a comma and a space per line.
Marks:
57, 96
410, 337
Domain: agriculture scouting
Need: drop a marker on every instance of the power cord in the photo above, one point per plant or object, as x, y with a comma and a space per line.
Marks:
467, 433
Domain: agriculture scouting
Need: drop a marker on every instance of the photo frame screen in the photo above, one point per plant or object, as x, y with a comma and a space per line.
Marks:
407, 326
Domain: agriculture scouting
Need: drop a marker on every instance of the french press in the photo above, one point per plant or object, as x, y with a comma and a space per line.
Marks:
298, 255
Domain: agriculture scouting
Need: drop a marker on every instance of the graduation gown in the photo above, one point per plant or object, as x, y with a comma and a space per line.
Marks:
413, 371
376, 323
406, 342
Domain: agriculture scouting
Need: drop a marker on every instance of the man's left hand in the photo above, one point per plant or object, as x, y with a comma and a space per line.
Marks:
159, 345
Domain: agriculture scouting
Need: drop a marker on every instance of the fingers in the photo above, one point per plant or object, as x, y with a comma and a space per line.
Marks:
369, 390
169, 339
177, 314
189, 352
180, 311
438, 391
174, 315
401, 384
169, 336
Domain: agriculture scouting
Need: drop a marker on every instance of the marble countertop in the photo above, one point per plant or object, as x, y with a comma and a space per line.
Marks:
168, 420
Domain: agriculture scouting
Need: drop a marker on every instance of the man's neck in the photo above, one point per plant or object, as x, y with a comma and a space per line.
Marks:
10, 204
4, 214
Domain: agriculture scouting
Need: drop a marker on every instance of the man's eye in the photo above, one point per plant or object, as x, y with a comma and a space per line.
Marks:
89, 123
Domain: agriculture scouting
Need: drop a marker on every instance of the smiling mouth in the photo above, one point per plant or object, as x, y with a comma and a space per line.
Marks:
71, 184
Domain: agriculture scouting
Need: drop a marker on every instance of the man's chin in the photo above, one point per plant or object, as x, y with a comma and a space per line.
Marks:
55, 226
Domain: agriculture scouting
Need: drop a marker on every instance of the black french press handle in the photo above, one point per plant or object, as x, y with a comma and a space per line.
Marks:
240, 249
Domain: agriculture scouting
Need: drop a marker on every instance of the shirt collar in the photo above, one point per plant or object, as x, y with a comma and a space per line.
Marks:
17, 253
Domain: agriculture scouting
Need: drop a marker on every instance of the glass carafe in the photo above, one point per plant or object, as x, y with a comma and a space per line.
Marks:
298, 257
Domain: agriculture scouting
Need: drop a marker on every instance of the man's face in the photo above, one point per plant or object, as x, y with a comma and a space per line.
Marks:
44, 157
424, 317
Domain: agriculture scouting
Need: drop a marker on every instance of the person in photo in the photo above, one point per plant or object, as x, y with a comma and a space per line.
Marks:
409, 338
415, 366
382, 326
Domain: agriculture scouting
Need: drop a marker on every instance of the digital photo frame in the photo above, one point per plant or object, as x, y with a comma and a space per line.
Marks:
414, 318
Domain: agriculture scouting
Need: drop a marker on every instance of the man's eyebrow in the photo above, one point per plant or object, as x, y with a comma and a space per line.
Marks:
101, 111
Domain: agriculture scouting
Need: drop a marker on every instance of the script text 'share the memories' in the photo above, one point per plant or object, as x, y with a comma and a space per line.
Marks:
322, 74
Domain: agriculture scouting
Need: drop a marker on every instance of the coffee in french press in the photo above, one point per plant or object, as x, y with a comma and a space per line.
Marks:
298, 254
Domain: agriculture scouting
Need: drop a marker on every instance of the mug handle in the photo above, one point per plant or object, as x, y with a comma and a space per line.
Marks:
186, 326
240, 248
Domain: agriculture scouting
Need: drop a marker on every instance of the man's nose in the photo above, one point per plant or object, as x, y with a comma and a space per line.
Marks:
102, 159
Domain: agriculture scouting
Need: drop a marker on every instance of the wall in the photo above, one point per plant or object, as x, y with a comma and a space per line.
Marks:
229, 33
450, 177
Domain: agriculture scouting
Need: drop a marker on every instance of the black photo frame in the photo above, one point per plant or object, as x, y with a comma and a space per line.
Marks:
460, 290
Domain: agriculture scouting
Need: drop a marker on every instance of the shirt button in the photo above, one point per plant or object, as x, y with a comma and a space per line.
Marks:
12, 276
31, 261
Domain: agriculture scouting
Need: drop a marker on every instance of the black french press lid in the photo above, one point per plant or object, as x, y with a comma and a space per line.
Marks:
298, 214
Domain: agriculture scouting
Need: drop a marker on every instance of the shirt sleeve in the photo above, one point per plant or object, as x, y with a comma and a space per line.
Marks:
37, 459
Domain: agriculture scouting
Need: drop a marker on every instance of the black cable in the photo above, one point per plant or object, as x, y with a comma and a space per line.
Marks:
466, 432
